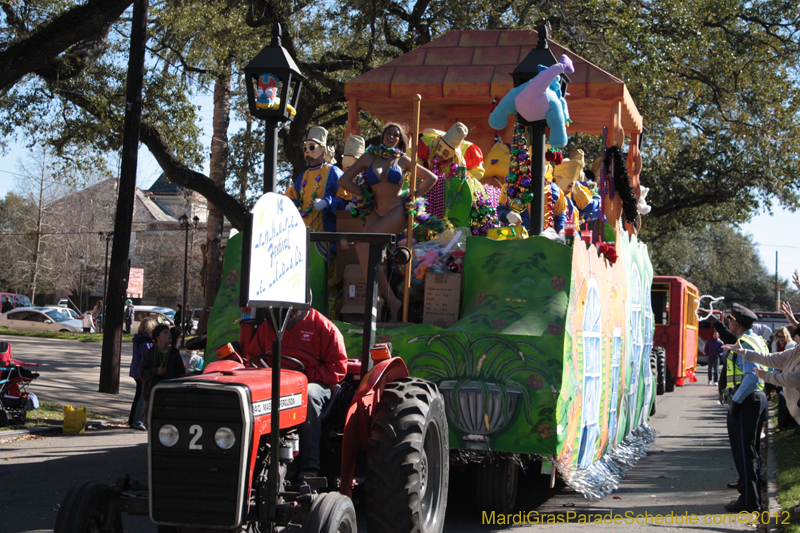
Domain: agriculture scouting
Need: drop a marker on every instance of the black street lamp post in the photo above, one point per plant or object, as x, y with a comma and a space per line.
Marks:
526, 70
273, 91
184, 220
80, 293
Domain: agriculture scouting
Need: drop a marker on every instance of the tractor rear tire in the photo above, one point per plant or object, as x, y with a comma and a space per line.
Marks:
654, 374
331, 512
654, 369
408, 460
670, 384
661, 365
84, 510
497, 486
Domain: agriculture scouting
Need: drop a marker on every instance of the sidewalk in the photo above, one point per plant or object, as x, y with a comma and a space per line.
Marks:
70, 373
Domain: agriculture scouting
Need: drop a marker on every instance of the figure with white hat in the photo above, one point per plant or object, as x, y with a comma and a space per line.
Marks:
442, 153
314, 190
377, 179
353, 149
582, 205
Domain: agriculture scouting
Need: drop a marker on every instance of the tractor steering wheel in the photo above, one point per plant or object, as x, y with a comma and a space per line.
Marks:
260, 361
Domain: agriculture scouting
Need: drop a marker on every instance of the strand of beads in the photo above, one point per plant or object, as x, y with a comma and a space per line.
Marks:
483, 216
385, 152
307, 210
436, 195
363, 203
518, 192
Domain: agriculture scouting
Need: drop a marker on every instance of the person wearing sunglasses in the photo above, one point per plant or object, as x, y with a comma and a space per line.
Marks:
782, 340
748, 407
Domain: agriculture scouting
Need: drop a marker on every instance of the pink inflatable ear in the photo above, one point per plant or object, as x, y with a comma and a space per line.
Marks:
532, 102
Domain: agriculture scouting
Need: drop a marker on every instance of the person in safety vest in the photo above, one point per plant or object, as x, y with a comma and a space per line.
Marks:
786, 361
748, 408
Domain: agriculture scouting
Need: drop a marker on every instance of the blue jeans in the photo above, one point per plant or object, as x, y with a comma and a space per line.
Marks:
713, 369
310, 431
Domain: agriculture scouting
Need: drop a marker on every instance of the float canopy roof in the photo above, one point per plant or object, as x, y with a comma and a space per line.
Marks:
460, 73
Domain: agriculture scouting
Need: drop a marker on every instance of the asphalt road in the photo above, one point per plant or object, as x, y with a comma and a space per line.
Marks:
684, 473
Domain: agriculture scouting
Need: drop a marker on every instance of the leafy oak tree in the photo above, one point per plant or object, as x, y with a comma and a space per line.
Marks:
720, 261
715, 80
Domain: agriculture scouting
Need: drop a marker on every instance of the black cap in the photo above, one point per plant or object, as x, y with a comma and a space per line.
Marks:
743, 315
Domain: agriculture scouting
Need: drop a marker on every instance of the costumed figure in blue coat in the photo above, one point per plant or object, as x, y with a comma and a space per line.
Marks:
315, 189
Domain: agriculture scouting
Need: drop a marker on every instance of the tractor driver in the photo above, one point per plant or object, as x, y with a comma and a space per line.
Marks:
317, 343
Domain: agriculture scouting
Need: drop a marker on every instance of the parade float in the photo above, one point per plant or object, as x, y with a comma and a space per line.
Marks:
549, 357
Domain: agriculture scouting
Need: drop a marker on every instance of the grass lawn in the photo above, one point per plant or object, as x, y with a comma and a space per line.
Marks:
787, 454
83, 337
51, 414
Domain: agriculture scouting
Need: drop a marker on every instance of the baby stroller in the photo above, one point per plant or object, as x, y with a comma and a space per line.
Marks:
15, 377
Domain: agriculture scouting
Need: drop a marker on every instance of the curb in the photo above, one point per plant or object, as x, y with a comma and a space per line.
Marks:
97, 424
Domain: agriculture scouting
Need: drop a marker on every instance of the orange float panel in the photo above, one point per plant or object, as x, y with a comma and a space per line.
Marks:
462, 68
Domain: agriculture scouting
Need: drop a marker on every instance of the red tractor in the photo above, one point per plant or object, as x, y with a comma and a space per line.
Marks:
215, 462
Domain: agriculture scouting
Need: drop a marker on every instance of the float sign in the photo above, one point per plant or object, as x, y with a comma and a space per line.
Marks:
278, 264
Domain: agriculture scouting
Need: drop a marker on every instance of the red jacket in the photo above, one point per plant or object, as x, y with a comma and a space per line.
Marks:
315, 341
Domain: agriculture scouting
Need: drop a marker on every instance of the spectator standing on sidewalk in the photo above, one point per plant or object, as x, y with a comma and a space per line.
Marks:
160, 362
128, 315
88, 323
97, 314
179, 316
142, 342
782, 340
713, 352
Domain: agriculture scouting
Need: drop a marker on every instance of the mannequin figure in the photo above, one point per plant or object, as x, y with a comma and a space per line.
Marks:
380, 187
314, 190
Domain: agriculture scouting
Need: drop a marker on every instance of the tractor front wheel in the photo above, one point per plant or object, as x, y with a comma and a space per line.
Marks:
670, 385
408, 460
661, 366
331, 512
85, 509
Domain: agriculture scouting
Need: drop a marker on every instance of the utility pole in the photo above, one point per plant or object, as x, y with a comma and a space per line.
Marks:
777, 285
107, 235
112, 334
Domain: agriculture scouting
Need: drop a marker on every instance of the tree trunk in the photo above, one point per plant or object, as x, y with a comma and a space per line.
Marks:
218, 171
244, 178
38, 238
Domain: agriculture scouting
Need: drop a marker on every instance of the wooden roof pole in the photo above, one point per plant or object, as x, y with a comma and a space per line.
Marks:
412, 190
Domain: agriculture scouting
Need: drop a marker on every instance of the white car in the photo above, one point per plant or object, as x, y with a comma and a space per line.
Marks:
71, 313
162, 315
39, 319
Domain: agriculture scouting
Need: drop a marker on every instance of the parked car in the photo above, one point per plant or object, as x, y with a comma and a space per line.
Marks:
63, 302
162, 315
195, 319
14, 300
71, 313
39, 319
